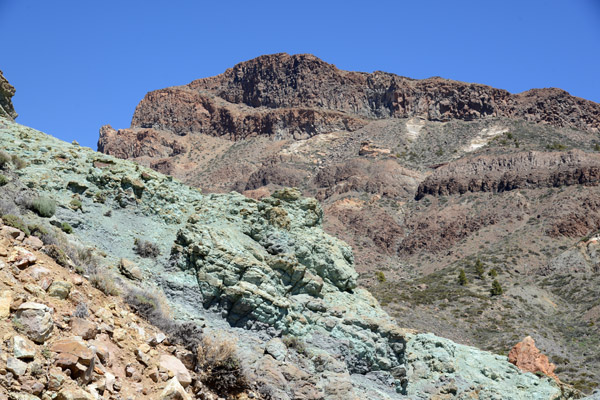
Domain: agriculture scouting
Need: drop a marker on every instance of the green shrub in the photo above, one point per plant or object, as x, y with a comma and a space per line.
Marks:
3, 180
75, 204
479, 269
43, 206
66, 228
380, 276
493, 273
462, 278
496, 289
16, 222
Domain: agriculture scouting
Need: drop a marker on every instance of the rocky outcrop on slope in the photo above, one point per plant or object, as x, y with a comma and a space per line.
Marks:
513, 171
300, 96
262, 273
7, 91
529, 358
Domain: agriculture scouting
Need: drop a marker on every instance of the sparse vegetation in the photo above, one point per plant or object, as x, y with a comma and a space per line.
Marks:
3, 180
556, 146
480, 269
43, 206
81, 311
493, 273
145, 249
496, 289
380, 276
16, 222
219, 367
66, 228
4, 160
17, 162
462, 278
75, 204
105, 283
292, 342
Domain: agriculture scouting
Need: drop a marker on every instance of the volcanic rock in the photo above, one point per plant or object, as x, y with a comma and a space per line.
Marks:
528, 357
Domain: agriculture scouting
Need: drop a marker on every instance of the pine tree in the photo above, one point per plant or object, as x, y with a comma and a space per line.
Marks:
496, 288
479, 269
462, 278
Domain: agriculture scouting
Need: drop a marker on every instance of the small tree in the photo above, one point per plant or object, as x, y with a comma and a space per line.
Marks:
479, 269
496, 288
462, 278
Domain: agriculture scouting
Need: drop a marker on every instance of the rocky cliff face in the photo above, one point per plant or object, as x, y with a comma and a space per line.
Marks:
7, 91
514, 171
259, 272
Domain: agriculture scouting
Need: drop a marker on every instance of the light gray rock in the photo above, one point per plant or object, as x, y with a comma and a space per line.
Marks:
276, 348
16, 366
34, 320
23, 349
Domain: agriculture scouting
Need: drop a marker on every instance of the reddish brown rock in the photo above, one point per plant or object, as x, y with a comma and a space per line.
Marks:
528, 358
513, 171
7, 91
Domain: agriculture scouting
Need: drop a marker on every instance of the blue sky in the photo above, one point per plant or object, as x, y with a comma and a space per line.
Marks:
77, 65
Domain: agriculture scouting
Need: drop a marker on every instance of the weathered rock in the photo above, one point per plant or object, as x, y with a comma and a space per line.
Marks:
528, 357
21, 258
11, 232
514, 171
34, 320
74, 354
74, 394
175, 366
84, 328
60, 289
130, 270
276, 348
5, 302
22, 348
56, 378
33, 242
174, 391
16, 366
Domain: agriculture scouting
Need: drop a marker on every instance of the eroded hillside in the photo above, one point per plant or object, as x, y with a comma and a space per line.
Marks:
423, 178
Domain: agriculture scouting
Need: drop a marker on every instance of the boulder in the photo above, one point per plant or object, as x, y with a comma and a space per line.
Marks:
176, 367
33, 242
16, 366
84, 328
174, 391
23, 349
74, 394
129, 270
276, 348
34, 320
528, 357
13, 233
60, 289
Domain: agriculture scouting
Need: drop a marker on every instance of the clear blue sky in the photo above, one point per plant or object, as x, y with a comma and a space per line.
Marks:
80, 64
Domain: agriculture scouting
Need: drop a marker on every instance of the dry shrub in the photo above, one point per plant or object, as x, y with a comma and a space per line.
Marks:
219, 367
153, 307
105, 283
146, 249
